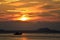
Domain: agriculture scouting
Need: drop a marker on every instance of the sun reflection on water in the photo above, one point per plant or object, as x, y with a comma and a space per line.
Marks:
22, 38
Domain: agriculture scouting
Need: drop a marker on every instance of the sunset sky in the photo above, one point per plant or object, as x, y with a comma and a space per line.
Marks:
30, 10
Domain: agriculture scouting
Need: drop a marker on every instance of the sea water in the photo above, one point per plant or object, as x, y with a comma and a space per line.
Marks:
30, 36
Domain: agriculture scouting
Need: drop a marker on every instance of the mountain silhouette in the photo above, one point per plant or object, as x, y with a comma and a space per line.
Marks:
47, 30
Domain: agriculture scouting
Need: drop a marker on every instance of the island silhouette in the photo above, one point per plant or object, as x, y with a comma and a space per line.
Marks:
40, 30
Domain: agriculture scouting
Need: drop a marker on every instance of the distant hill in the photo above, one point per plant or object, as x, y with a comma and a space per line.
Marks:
47, 30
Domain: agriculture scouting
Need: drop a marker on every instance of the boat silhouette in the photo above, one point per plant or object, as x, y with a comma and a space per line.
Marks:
18, 33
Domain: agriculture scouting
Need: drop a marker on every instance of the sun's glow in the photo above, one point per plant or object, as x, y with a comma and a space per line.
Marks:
24, 18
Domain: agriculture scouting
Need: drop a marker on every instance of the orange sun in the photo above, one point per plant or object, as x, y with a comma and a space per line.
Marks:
24, 18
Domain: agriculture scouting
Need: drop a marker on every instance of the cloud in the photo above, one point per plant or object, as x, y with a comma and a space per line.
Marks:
1, 0
48, 7
10, 16
50, 15
56, 0
17, 3
11, 0
5, 7
56, 11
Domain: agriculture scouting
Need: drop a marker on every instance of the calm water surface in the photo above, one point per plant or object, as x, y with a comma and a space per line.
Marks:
32, 36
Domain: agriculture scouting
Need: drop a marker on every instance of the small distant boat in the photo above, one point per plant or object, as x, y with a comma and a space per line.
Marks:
18, 33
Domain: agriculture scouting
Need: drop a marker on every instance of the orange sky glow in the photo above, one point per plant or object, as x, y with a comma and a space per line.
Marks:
29, 10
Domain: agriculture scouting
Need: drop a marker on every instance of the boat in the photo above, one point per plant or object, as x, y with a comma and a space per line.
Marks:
18, 33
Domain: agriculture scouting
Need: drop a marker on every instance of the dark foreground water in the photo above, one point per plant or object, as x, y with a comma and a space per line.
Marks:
31, 36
